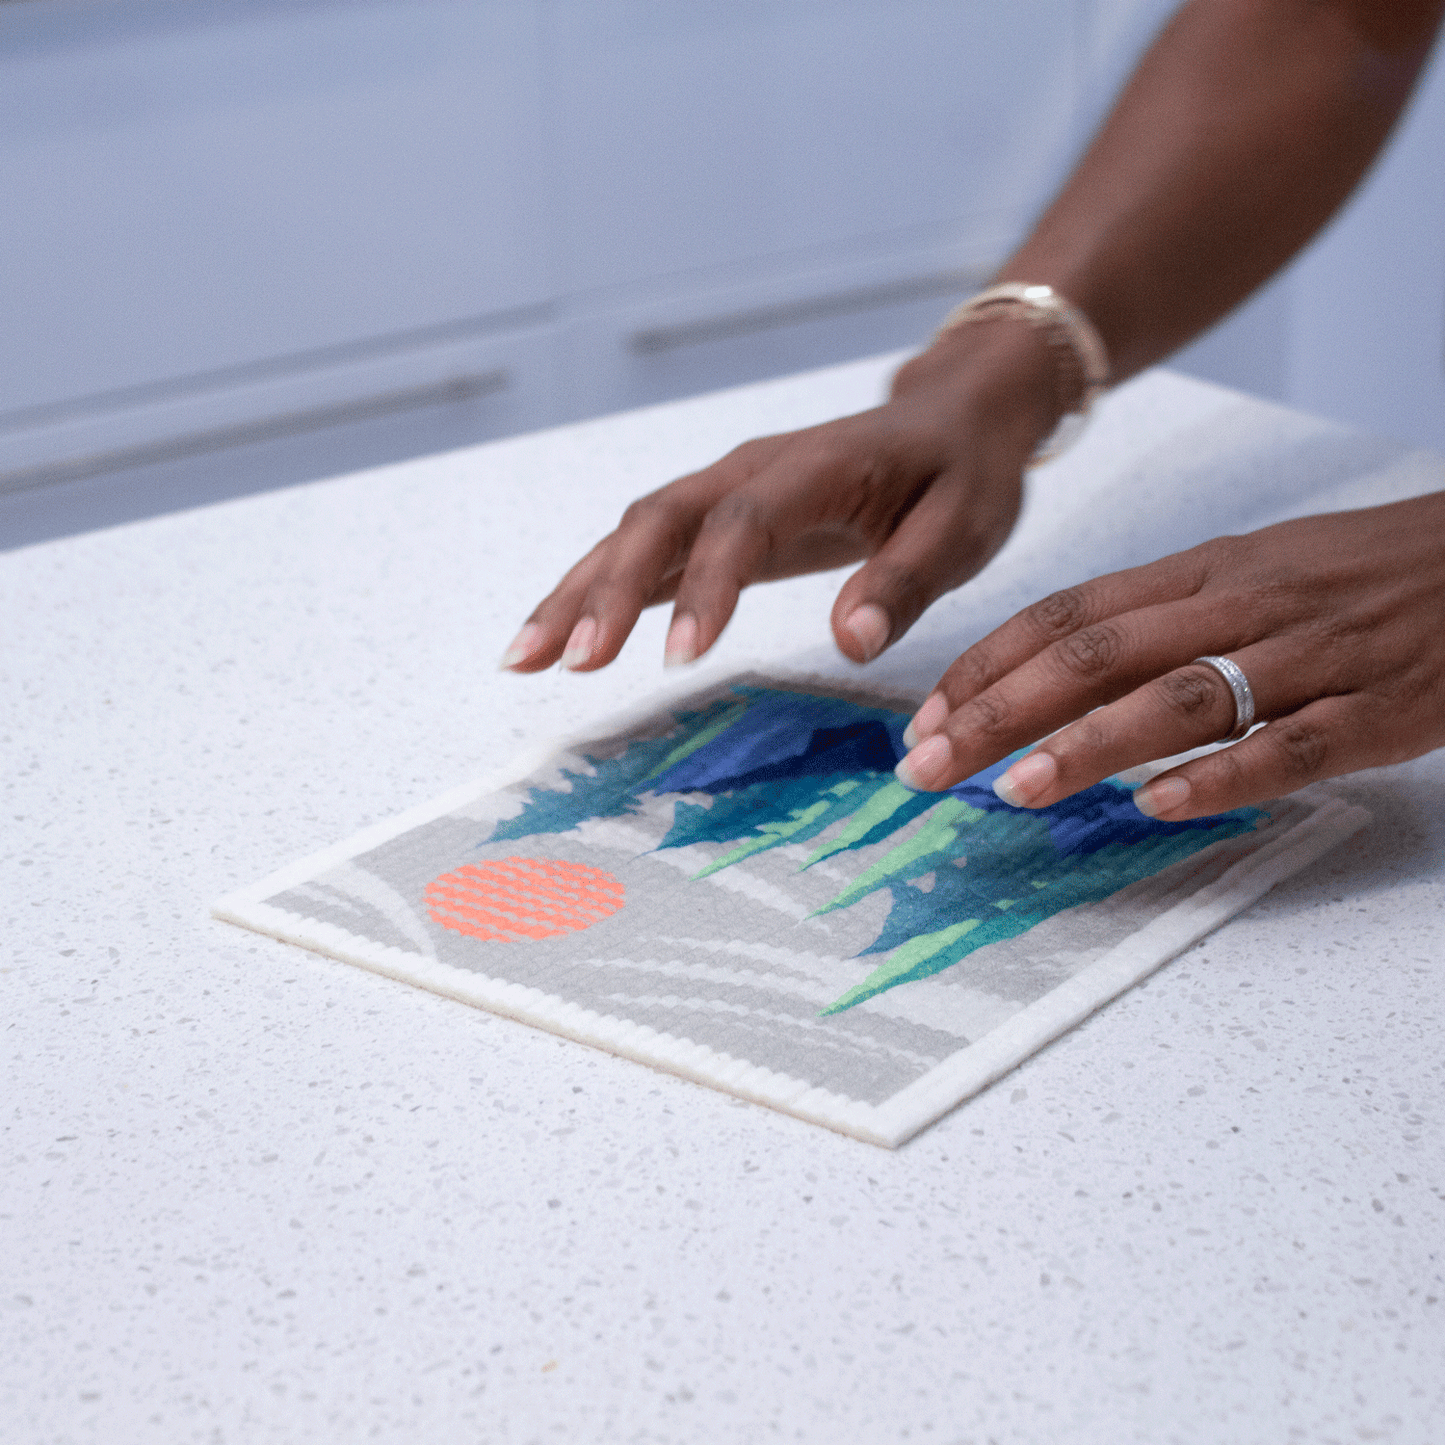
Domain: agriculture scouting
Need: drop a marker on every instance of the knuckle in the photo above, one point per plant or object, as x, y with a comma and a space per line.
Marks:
910, 374
1224, 772
1302, 747
1332, 630
1223, 554
1058, 614
1342, 643
903, 590
1092, 652
972, 672
1249, 572
1271, 594
738, 511
821, 454
987, 714
1081, 741
1414, 686
1191, 691
650, 511
753, 454
1088, 736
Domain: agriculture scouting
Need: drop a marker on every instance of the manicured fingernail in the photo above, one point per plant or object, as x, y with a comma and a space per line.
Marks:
1027, 778
927, 720
923, 769
524, 644
681, 645
579, 645
1167, 795
870, 627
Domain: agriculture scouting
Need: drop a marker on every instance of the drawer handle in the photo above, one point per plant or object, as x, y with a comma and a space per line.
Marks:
269, 428
651, 340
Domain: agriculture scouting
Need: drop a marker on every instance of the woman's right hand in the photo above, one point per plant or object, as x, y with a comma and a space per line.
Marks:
926, 487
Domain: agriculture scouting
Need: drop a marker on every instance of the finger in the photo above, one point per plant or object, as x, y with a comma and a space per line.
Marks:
544, 635
729, 552
1091, 667
744, 534
942, 540
1328, 737
648, 548
1187, 708
1053, 620
587, 617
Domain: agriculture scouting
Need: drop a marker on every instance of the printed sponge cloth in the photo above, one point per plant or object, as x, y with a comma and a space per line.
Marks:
736, 888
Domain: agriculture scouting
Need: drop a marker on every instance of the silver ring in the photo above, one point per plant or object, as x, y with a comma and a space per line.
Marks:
1239, 689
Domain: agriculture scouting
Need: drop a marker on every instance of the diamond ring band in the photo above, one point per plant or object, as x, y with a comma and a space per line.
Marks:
1239, 689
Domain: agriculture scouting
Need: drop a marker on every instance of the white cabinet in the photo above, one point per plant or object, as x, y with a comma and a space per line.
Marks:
199, 198
473, 387
752, 188
231, 218
224, 216
683, 339
696, 133
664, 114
900, 118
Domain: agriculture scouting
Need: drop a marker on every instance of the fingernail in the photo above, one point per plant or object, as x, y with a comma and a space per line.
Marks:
1027, 778
924, 767
579, 645
1164, 796
870, 627
524, 644
681, 647
927, 720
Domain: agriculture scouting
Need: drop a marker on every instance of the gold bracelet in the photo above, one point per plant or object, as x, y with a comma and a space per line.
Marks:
1082, 356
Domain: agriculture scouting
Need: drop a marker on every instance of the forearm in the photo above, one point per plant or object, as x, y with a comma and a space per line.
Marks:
1243, 130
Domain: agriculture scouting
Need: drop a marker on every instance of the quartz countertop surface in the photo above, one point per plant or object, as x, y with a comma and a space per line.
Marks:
251, 1194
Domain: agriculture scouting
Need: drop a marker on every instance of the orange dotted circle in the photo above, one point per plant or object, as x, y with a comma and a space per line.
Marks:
509, 899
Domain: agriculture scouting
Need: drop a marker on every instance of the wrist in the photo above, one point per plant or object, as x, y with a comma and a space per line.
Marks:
1001, 375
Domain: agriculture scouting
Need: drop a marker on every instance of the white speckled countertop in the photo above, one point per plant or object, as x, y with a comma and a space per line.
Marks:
251, 1195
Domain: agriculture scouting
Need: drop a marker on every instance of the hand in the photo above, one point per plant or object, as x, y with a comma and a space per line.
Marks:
926, 486
1337, 621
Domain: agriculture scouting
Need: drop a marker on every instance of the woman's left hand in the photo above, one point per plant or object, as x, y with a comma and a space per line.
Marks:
1337, 621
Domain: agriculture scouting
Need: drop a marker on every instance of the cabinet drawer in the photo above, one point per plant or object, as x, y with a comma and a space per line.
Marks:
201, 186
680, 344
507, 382
701, 132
